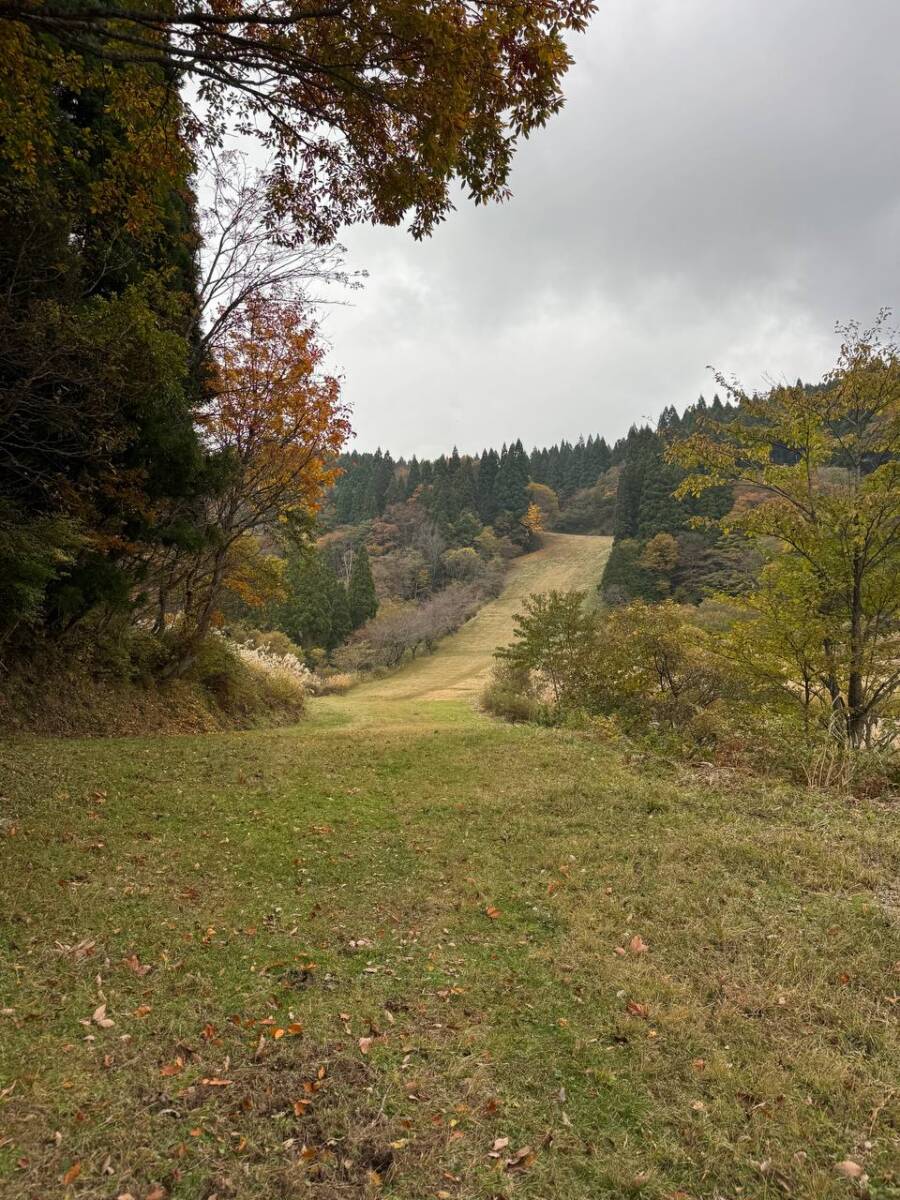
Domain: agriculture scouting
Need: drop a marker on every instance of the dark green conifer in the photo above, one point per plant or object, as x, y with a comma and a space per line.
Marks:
361, 594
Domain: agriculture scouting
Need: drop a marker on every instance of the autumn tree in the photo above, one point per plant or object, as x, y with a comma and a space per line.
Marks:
824, 463
276, 423
547, 502
533, 523
370, 112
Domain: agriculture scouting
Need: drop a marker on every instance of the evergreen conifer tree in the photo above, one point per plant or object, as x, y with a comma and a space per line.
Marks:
488, 465
361, 594
413, 477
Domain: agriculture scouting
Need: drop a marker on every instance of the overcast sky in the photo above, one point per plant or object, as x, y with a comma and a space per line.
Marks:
721, 187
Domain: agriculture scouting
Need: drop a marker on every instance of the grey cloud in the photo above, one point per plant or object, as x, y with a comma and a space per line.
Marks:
722, 185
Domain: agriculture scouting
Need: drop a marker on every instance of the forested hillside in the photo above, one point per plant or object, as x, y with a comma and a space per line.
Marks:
667, 546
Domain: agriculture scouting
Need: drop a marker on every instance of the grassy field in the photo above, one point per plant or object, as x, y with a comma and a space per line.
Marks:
405, 951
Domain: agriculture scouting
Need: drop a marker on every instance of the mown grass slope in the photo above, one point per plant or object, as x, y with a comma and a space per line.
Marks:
405, 951
566, 562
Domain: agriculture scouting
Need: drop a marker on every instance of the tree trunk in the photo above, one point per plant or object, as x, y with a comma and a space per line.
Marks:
188, 653
856, 712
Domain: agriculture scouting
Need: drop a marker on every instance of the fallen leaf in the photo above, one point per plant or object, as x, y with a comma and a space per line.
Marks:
521, 1159
72, 1174
620, 950
142, 1010
492, 912
500, 1143
294, 1028
218, 1082
365, 1044
133, 963
637, 945
100, 1018
172, 1068
156, 1193
637, 1010
300, 1107
849, 1169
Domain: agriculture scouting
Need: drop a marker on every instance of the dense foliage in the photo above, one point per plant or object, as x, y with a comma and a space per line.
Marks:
371, 112
665, 546
827, 607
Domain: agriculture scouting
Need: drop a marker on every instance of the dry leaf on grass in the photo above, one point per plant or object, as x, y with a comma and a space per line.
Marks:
521, 1159
133, 963
100, 1018
72, 1174
849, 1169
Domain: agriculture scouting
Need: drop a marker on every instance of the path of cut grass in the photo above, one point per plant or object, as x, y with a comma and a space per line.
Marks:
453, 892
460, 669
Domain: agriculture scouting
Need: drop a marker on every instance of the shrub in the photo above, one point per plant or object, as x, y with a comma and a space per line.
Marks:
335, 683
272, 641
510, 694
651, 672
246, 683
404, 630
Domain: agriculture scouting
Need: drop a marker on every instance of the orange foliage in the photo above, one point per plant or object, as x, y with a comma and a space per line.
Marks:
276, 415
533, 519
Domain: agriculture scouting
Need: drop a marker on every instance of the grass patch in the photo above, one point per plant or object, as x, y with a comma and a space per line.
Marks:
430, 909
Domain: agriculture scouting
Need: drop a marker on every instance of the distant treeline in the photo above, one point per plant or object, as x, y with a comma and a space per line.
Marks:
485, 484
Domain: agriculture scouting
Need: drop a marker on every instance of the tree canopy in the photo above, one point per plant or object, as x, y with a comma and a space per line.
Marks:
370, 112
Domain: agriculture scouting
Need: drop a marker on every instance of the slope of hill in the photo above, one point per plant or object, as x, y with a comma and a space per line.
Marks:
460, 669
